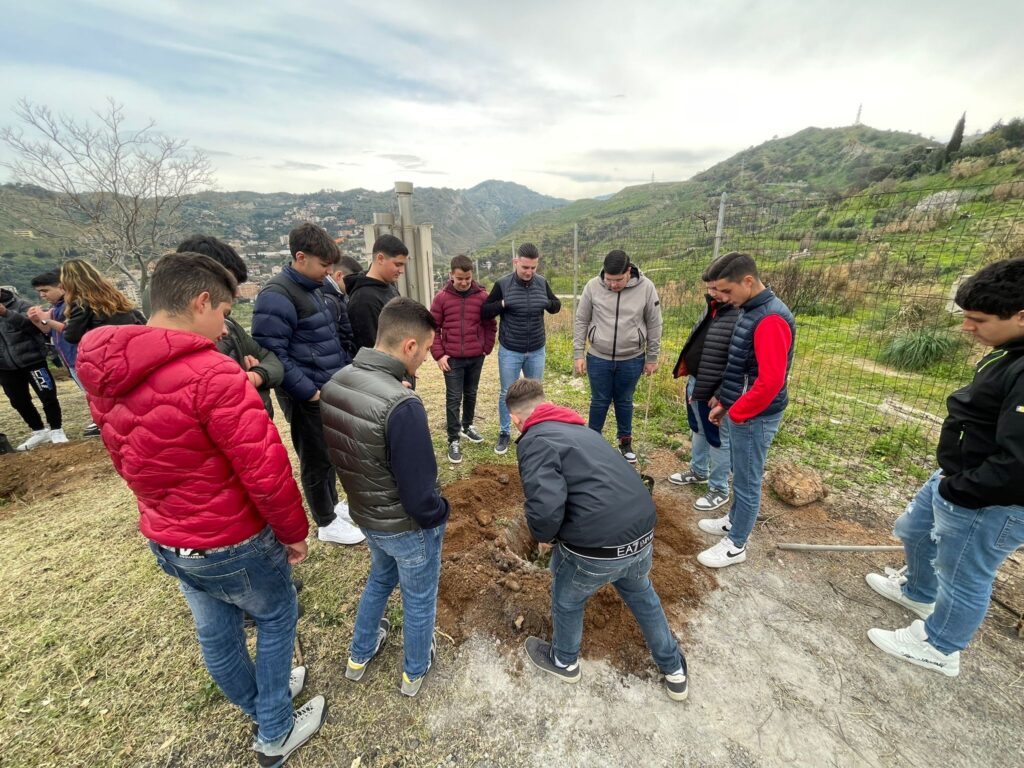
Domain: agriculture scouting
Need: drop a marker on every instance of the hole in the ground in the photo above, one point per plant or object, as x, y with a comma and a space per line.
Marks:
494, 581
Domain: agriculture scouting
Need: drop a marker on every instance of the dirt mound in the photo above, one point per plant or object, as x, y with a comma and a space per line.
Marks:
52, 470
491, 584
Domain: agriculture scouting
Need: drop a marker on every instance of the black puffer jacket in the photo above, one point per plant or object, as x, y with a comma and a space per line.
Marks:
522, 315
706, 351
981, 446
21, 343
578, 488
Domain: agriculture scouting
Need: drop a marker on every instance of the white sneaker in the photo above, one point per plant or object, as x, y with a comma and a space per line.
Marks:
890, 587
719, 526
296, 681
37, 438
57, 436
722, 554
306, 721
342, 530
911, 644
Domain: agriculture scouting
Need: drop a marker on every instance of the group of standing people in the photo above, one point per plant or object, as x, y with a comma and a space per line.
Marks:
183, 406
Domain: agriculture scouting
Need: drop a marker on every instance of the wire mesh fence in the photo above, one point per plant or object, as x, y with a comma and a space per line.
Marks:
871, 280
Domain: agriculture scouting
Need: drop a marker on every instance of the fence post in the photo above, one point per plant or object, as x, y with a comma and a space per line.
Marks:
720, 226
575, 265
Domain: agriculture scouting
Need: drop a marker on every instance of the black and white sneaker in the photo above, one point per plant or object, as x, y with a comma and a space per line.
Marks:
355, 671
501, 447
92, 430
676, 686
722, 554
454, 452
626, 449
306, 721
472, 435
542, 656
686, 478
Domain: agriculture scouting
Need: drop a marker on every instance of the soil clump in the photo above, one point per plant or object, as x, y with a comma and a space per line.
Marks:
492, 584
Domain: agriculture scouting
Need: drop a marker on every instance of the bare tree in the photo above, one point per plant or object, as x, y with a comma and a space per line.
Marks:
117, 191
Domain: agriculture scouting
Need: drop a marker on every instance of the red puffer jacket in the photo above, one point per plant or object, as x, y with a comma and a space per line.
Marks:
461, 331
189, 435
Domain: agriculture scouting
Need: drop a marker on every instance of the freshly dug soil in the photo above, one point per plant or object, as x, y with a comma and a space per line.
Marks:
491, 584
52, 470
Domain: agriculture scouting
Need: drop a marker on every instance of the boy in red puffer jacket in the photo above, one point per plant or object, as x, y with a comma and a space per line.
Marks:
462, 342
216, 496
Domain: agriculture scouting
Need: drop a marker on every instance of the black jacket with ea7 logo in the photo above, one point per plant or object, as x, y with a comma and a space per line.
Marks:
981, 447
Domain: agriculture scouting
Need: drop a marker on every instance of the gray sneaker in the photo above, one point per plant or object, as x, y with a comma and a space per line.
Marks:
711, 501
501, 447
454, 452
412, 687
355, 671
542, 656
472, 435
306, 721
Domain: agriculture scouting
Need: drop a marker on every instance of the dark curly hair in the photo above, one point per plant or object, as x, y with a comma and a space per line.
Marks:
997, 289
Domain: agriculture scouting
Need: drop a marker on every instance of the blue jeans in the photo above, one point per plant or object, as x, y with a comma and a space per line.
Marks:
575, 579
748, 446
613, 381
254, 577
706, 460
953, 554
411, 561
510, 365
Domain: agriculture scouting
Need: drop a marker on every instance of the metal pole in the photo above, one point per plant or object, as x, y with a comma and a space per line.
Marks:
575, 265
720, 226
842, 547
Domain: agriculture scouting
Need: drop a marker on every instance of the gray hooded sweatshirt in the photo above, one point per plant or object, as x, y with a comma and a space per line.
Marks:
619, 325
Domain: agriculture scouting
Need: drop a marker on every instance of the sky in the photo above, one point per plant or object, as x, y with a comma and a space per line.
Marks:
572, 99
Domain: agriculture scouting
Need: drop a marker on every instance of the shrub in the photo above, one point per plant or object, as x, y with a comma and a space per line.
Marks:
1008, 191
964, 169
918, 350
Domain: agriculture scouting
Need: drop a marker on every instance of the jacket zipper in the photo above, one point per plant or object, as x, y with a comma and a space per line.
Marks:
615, 332
462, 327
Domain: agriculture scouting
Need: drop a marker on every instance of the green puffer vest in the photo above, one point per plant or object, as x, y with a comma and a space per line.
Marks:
355, 406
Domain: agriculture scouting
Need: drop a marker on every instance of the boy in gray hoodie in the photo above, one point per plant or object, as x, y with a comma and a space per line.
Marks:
620, 316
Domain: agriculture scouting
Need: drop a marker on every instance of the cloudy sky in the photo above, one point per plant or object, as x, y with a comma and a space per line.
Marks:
571, 98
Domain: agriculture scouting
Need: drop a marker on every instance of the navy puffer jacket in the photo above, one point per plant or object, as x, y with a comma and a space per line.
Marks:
292, 320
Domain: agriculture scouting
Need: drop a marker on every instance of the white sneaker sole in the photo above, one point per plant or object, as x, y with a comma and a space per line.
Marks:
708, 563
454, 461
880, 639
880, 583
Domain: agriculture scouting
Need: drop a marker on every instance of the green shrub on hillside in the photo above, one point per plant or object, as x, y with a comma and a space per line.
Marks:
918, 350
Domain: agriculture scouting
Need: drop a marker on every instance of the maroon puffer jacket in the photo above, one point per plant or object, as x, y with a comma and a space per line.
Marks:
189, 435
462, 333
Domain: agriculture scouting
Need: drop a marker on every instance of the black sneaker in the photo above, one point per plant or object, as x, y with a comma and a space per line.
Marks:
626, 449
454, 453
354, 671
472, 435
91, 431
306, 721
675, 686
542, 656
501, 447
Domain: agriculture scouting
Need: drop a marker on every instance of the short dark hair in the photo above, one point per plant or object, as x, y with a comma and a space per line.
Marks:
313, 241
616, 263
390, 246
732, 267
527, 251
349, 266
524, 392
997, 289
180, 277
403, 318
47, 278
462, 262
219, 251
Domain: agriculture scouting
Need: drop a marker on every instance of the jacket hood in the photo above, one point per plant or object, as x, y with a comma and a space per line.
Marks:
552, 412
634, 278
114, 359
474, 287
363, 280
6, 297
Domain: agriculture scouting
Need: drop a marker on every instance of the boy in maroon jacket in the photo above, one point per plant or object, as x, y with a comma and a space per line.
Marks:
460, 346
216, 496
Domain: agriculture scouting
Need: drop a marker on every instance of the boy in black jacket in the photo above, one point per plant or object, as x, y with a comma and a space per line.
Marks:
596, 513
969, 517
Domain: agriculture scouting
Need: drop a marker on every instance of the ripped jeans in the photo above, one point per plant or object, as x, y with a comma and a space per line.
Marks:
953, 554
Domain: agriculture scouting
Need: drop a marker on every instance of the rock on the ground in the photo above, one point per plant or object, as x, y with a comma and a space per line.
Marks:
796, 485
